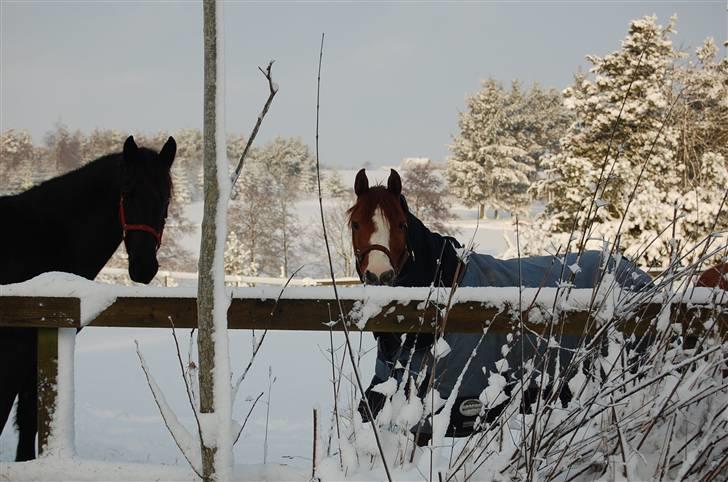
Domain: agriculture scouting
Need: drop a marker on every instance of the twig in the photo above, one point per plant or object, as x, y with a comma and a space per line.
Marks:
273, 89
247, 417
151, 384
271, 381
256, 348
315, 443
187, 385
367, 408
336, 396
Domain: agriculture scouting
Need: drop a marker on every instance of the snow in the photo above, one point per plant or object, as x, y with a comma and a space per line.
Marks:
95, 297
120, 434
62, 441
219, 429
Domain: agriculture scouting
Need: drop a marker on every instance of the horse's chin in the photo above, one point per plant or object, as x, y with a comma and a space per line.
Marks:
143, 272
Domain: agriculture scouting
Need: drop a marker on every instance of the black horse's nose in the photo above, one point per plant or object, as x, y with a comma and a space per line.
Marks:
387, 277
371, 278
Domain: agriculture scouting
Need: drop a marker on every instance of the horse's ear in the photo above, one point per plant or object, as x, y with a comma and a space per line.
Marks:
394, 183
168, 152
403, 203
131, 151
361, 183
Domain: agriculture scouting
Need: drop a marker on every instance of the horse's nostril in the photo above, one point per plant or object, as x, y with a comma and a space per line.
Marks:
387, 277
371, 278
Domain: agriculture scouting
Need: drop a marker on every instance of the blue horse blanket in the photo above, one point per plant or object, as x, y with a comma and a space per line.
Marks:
484, 270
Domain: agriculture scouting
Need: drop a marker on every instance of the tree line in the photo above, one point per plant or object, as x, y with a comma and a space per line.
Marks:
640, 141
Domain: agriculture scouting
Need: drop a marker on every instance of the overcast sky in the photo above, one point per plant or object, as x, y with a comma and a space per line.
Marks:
394, 78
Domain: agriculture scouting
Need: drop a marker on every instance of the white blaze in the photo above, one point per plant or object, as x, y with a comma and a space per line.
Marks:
378, 261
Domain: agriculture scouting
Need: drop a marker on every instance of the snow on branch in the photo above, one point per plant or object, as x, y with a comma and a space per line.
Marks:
181, 436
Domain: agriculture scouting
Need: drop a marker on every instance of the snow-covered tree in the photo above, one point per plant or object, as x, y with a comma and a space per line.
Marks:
16, 161
237, 258
333, 185
212, 302
252, 218
101, 142
188, 161
538, 119
492, 160
64, 148
425, 192
702, 122
610, 154
291, 170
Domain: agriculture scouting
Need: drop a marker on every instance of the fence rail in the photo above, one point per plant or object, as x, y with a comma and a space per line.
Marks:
248, 310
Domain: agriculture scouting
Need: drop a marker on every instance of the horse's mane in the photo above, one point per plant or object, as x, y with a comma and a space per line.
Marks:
435, 259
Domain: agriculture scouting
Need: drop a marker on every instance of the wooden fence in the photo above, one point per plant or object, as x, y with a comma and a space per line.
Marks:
248, 311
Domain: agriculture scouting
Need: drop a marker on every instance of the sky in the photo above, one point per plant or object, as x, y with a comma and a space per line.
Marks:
395, 76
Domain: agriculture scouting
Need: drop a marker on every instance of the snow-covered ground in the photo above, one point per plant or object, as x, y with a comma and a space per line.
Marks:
120, 434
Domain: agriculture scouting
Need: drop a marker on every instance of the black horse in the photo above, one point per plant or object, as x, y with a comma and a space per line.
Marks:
393, 247
74, 223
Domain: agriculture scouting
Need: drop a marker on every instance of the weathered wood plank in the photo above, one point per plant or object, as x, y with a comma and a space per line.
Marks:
47, 382
310, 315
23, 311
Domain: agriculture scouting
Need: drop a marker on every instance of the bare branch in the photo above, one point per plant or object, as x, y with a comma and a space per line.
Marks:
273, 89
367, 408
184, 378
168, 415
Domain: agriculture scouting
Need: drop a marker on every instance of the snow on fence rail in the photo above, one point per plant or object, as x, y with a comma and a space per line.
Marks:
76, 304
170, 278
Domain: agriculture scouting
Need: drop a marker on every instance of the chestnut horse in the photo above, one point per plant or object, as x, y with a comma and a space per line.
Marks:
393, 247
74, 223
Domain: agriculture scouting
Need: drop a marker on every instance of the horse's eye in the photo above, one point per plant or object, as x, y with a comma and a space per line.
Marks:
354, 225
403, 226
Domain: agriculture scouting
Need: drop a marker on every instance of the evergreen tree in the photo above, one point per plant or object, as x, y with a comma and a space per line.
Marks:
188, 161
334, 185
503, 136
645, 152
702, 122
16, 161
237, 258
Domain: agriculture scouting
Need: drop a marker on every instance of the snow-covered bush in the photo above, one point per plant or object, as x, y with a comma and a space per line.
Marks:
639, 409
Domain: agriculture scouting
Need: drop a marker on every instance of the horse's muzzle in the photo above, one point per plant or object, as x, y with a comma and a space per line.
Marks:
386, 278
389, 276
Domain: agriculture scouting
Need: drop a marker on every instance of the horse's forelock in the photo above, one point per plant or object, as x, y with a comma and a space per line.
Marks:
376, 196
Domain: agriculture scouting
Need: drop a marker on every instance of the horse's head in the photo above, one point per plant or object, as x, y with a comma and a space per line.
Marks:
146, 187
378, 225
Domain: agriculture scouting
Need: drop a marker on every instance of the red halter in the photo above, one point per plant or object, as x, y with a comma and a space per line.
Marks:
137, 227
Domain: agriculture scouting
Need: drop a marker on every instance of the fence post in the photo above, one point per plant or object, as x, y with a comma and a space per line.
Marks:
47, 383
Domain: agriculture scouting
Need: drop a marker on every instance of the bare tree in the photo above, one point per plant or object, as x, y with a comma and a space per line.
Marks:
425, 193
289, 169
